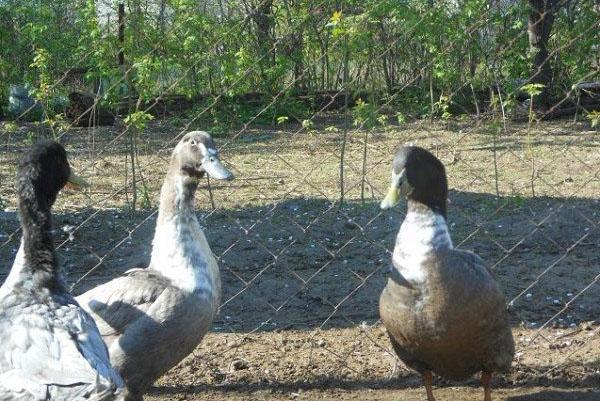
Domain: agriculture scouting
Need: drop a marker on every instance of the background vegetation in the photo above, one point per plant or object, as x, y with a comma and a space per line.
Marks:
423, 57
336, 87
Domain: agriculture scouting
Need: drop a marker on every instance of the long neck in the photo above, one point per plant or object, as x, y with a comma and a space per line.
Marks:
180, 250
422, 234
36, 264
176, 195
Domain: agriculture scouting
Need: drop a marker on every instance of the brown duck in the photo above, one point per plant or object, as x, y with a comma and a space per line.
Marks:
442, 308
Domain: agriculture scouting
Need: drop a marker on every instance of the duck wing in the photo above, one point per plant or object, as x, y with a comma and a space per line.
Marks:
473, 315
464, 276
52, 349
149, 324
123, 301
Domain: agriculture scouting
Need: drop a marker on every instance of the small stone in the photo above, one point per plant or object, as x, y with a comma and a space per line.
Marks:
351, 224
238, 364
587, 325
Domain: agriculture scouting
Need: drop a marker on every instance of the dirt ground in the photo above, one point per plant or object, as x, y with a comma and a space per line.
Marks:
358, 364
302, 275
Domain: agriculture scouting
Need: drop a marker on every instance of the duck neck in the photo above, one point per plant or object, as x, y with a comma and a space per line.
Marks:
423, 233
36, 262
180, 250
177, 196
424, 228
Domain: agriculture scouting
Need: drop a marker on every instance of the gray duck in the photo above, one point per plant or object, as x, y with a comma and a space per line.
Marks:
51, 348
151, 318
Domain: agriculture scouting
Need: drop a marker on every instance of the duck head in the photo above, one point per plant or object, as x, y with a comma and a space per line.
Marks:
43, 172
418, 176
197, 155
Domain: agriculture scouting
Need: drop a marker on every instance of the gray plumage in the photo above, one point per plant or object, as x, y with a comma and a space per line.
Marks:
50, 348
455, 324
152, 318
148, 323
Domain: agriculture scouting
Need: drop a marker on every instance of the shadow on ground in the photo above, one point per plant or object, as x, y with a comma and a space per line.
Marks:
322, 384
306, 263
558, 396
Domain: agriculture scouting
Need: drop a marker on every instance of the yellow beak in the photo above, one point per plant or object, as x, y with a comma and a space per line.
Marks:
76, 181
392, 198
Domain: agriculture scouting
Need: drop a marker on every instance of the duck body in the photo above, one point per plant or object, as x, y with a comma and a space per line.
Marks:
442, 307
152, 318
50, 348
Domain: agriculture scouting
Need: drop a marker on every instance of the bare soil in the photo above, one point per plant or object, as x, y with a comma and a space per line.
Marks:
302, 274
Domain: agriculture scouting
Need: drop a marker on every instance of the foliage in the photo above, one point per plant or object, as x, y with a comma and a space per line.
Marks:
10, 127
138, 119
367, 115
443, 106
401, 117
594, 117
533, 89
201, 50
144, 195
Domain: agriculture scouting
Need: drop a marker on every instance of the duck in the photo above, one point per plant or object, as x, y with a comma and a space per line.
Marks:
441, 306
51, 348
153, 317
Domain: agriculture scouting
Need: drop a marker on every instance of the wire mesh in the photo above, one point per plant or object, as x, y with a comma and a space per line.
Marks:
308, 103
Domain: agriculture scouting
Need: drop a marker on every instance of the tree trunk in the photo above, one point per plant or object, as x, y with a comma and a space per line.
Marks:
541, 19
121, 56
263, 18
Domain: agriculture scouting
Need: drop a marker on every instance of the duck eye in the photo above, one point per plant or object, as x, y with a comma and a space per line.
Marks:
193, 142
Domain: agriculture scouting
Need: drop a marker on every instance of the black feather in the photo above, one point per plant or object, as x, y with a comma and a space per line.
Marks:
43, 172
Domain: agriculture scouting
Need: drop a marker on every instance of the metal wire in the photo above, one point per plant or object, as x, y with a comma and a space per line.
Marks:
334, 261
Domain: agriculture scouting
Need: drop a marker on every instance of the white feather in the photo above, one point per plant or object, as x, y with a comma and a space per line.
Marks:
180, 249
177, 255
15, 272
421, 234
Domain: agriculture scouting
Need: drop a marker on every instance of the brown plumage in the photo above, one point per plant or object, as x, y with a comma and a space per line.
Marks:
443, 310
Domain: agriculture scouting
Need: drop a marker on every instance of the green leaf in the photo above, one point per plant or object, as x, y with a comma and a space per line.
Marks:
138, 119
335, 19
533, 89
594, 117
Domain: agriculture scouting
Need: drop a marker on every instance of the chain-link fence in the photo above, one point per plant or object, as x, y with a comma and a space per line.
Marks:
308, 102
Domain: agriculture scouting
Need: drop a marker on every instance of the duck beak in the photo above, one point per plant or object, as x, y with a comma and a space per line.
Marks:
76, 181
396, 190
391, 199
215, 169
